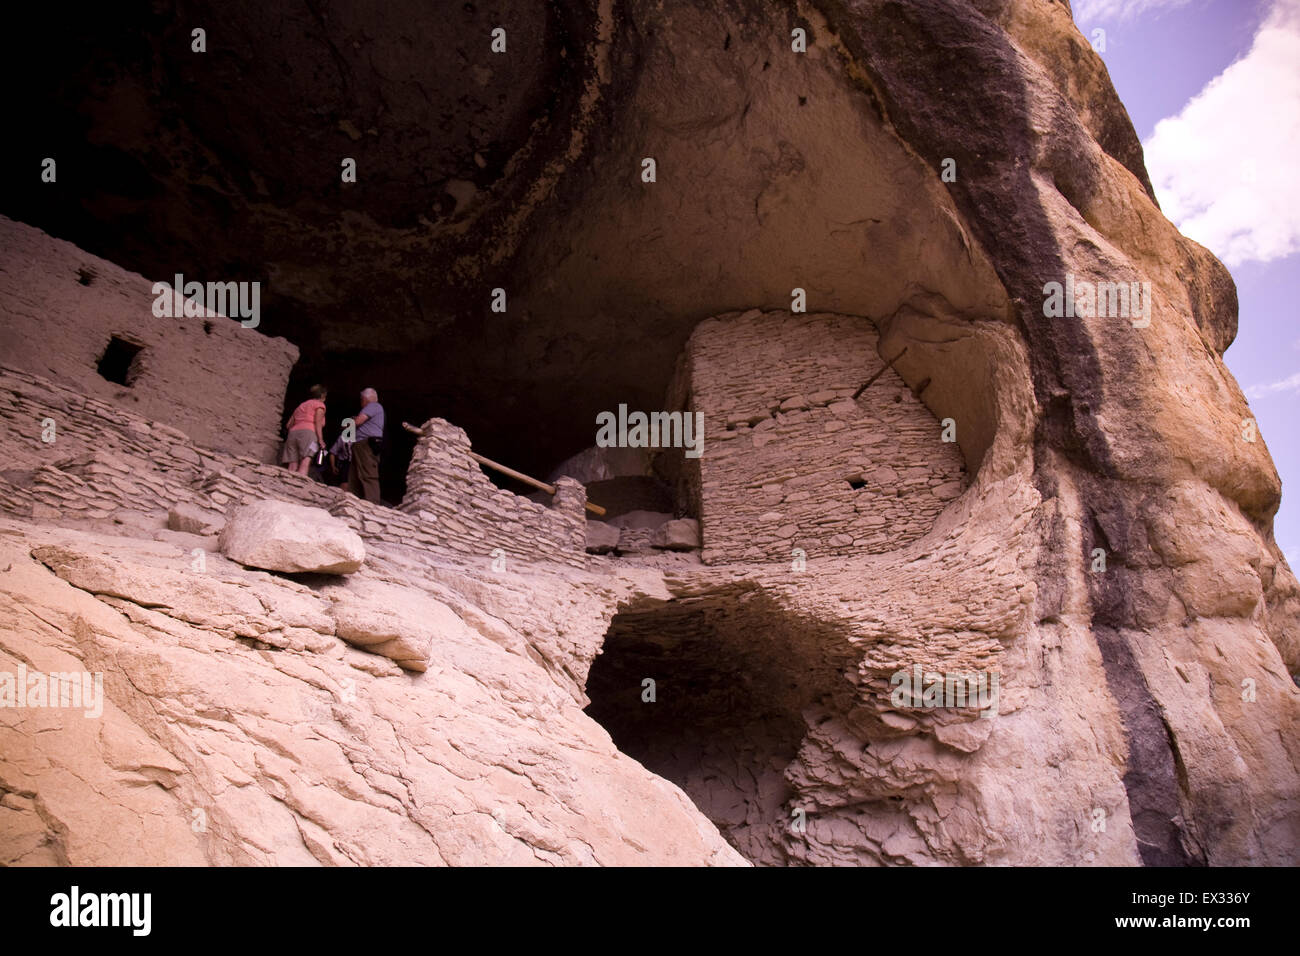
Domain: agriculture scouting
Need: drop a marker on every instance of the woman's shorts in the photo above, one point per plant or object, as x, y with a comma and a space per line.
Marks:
300, 444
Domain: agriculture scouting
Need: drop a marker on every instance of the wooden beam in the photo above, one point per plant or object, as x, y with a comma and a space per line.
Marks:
889, 364
517, 475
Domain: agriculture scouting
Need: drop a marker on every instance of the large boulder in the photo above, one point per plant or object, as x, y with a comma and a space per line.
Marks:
278, 536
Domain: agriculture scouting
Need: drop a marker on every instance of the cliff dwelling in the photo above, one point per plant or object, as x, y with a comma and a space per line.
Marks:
547, 643
801, 449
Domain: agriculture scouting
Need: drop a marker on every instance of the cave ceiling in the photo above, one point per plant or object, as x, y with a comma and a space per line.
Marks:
479, 170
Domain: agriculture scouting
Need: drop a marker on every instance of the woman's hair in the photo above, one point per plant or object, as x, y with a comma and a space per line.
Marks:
318, 392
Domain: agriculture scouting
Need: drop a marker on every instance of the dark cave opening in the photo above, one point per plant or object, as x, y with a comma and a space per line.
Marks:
733, 673
225, 166
526, 422
118, 364
494, 432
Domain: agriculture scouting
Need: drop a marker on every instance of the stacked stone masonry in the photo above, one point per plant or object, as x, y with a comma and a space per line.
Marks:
209, 376
103, 461
791, 460
475, 515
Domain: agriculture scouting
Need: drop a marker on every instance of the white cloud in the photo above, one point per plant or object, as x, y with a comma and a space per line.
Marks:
1224, 168
1093, 11
1290, 384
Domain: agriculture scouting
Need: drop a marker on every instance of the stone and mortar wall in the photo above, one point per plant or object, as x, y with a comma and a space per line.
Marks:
221, 384
475, 516
105, 461
790, 459
101, 460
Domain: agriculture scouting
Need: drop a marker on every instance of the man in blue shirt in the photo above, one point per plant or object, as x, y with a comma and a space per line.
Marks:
363, 475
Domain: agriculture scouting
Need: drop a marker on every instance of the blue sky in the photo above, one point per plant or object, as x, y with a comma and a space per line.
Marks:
1213, 87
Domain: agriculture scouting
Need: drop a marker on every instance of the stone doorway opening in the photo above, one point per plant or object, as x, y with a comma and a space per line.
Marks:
711, 691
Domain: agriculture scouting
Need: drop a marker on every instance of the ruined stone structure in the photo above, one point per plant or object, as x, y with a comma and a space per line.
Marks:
105, 462
519, 727
137, 447
72, 318
448, 492
793, 460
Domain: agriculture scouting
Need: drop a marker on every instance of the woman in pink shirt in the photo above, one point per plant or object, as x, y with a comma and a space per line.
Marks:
306, 432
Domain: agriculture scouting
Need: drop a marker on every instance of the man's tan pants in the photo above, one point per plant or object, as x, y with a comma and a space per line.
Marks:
363, 475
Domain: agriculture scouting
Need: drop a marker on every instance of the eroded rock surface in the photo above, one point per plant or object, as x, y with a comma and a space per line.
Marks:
238, 728
1104, 545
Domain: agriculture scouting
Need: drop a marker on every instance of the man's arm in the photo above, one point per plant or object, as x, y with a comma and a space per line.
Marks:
361, 419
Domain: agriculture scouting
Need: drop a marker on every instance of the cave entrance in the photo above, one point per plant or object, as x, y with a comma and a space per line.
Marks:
733, 675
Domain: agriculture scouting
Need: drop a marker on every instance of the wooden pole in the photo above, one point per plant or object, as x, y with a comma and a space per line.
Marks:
889, 364
517, 475
549, 489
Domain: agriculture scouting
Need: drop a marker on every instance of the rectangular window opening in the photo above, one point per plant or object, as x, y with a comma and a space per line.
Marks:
119, 363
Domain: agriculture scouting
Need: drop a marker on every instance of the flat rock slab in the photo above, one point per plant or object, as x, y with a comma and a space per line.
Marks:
601, 537
192, 519
681, 534
398, 623
279, 536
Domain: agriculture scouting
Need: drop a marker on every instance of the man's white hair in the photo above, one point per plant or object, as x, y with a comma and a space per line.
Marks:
370, 393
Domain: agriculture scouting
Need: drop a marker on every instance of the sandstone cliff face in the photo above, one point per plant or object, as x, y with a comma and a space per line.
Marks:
238, 729
1109, 556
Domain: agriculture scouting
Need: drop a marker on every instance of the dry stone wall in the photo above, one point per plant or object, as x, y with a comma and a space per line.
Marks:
791, 460
69, 456
447, 487
104, 461
60, 308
